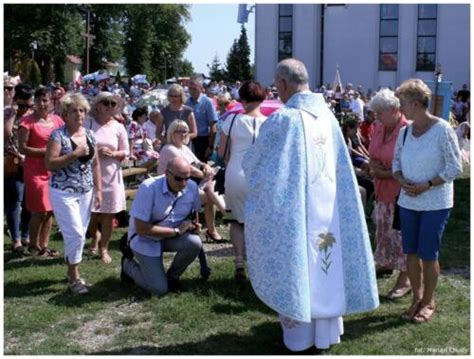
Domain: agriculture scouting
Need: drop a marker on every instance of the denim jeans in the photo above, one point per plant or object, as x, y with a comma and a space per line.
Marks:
18, 218
149, 272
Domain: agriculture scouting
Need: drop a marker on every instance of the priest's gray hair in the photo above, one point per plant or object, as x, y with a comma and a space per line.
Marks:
292, 71
383, 100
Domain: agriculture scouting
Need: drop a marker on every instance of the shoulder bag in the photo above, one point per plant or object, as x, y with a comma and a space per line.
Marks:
396, 212
220, 175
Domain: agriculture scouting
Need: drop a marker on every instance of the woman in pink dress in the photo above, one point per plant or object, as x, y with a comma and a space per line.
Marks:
112, 146
33, 136
389, 251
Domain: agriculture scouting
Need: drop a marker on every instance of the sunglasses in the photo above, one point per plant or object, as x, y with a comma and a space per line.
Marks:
182, 132
9, 88
174, 96
109, 103
22, 106
177, 178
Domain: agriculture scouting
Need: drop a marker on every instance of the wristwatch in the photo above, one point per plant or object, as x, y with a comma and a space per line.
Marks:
430, 183
176, 232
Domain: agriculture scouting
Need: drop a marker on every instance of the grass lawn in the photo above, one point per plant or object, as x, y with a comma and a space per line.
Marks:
215, 317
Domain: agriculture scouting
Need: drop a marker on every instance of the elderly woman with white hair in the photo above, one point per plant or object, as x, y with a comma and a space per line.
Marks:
389, 251
71, 156
112, 148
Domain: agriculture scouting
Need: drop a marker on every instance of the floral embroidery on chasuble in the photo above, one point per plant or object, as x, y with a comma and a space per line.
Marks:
324, 251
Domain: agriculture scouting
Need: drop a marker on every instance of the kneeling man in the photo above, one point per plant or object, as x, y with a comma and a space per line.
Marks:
158, 224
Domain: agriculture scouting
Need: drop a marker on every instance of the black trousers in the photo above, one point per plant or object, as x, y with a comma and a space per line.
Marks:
201, 143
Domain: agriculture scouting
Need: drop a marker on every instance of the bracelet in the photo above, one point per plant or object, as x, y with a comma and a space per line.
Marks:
430, 183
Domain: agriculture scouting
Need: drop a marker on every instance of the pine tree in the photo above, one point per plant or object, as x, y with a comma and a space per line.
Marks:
238, 59
118, 77
215, 70
244, 47
233, 63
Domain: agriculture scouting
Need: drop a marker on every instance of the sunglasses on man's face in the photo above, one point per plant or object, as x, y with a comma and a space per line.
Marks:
9, 88
177, 178
109, 103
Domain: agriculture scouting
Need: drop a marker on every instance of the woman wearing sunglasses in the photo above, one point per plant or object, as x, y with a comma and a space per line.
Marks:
8, 90
112, 148
178, 139
175, 110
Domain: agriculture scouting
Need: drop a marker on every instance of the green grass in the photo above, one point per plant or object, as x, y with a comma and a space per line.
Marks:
214, 317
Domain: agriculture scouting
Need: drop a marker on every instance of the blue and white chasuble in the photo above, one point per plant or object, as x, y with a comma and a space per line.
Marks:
308, 248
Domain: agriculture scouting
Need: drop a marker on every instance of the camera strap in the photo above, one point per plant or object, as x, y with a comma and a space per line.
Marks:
159, 220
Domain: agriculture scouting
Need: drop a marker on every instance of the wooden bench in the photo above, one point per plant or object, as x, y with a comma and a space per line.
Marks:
129, 175
134, 171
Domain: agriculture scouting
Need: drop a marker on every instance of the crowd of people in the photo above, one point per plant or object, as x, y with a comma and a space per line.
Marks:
307, 171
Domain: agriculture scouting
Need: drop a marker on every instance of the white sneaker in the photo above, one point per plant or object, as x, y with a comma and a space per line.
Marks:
78, 287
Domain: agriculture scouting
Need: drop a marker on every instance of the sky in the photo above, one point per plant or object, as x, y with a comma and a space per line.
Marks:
213, 29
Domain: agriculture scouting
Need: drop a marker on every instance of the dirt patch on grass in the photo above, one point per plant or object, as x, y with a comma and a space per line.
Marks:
101, 333
15, 346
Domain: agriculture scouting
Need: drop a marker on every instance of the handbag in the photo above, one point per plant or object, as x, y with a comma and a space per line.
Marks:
396, 216
147, 144
10, 165
396, 212
220, 175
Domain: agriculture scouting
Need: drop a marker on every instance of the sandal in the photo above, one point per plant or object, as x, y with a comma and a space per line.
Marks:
79, 279
411, 312
34, 250
17, 247
48, 253
77, 287
93, 251
397, 293
424, 314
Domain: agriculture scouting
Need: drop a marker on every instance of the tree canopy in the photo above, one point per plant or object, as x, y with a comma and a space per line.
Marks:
216, 72
151, 37
156, 39
238, 59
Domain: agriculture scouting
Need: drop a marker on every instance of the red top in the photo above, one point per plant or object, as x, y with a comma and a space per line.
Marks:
38, 137
386, 189
367, 131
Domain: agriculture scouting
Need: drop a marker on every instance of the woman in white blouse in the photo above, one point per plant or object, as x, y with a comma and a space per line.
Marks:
426, 161
242, 130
